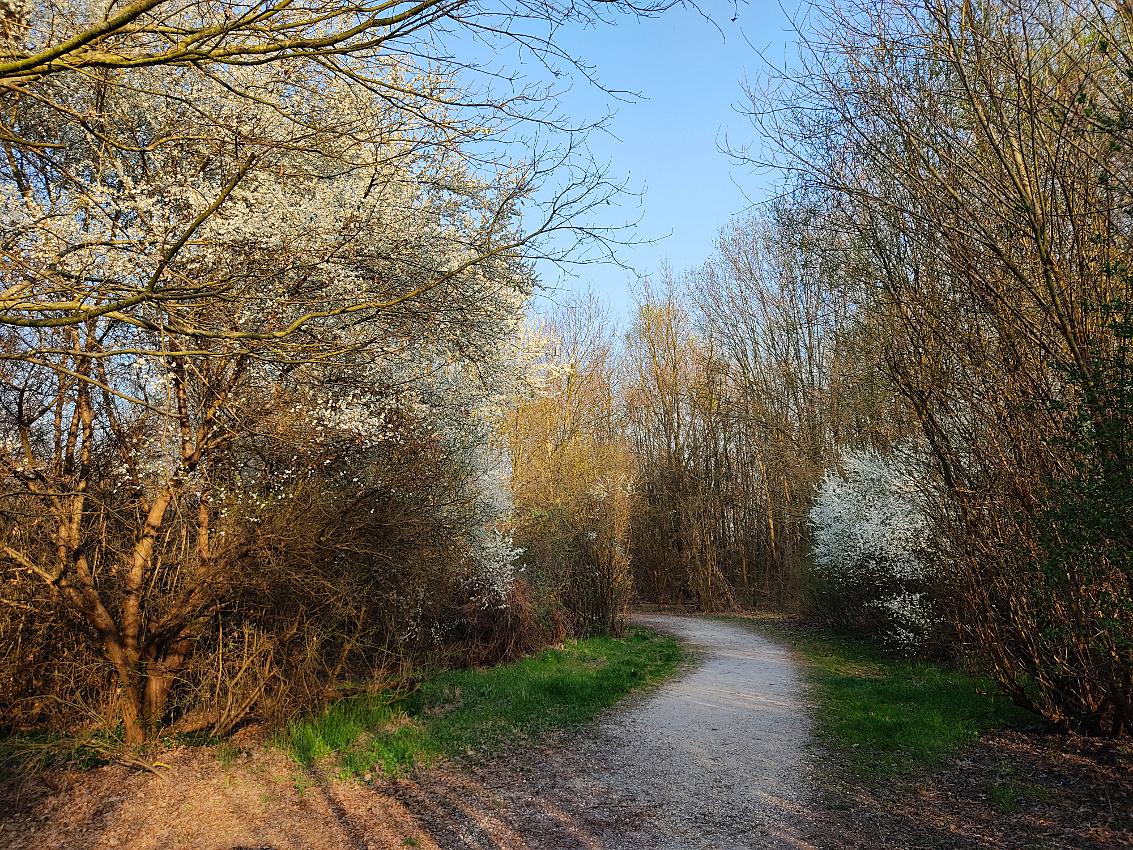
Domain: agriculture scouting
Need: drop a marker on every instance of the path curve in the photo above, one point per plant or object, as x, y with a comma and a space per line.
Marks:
719, 755
716, 758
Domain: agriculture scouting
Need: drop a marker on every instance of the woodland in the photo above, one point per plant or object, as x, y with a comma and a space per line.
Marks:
279, 419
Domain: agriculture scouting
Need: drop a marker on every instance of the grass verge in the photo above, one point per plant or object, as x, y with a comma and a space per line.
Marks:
884, 716
474, 713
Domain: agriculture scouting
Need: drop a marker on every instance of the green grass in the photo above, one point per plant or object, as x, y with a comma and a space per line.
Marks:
474, 713
227, 753
884, 716
25, 754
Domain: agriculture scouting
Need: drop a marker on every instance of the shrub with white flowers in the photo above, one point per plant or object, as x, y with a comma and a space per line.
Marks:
871, 548
273, 331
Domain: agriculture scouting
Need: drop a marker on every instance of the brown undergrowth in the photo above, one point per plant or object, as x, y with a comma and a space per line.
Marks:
1009, 789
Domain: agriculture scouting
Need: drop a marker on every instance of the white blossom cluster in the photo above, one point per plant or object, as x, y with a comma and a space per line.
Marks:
871, 530
351, 256
495, 557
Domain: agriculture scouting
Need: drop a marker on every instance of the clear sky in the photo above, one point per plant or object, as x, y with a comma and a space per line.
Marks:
667, 143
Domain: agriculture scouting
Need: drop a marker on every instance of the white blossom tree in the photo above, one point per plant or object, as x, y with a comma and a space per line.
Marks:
202, 262
872, 545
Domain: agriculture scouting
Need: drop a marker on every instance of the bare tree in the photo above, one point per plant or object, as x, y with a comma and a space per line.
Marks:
676, 426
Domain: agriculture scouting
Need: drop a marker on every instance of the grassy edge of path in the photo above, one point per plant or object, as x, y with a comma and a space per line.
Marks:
880, 716
914, 754
471, 714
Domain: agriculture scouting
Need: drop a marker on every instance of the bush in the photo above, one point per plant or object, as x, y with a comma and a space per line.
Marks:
576, 556
308, 579
872, 570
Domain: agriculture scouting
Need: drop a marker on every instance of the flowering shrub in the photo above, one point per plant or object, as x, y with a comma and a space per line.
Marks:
243, 306
871, 549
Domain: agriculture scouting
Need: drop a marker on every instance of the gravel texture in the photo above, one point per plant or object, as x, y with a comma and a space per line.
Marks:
716, 758
720, 755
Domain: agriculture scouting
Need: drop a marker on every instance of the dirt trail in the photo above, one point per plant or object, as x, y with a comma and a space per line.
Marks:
716, 758
719, 755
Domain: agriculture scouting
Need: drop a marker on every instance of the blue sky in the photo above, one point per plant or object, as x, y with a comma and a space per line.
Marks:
666, 144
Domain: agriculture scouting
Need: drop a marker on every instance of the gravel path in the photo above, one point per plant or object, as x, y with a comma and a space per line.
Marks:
714, 759
719, 755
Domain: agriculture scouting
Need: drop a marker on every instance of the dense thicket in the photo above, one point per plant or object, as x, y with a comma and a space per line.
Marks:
746, 378
976, 160
261, 286
571, 476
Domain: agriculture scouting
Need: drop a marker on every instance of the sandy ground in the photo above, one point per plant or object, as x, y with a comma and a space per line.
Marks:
716, 758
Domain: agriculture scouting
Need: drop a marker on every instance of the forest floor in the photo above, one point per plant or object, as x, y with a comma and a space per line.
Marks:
1012, 790
722, 756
